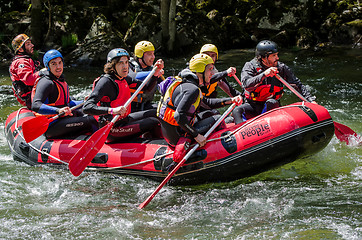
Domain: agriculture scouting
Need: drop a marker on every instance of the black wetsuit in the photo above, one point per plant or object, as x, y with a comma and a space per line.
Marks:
252, 77
183, 98
47, 100
134, 124
219, 79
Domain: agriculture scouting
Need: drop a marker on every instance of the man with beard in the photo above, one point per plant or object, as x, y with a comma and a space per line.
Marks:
24, 71
262, 88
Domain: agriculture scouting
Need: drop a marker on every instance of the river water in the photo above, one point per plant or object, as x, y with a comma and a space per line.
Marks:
319, 197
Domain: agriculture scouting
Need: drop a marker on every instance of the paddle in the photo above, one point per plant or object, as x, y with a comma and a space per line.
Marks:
35, 127
91, 147
148, 200
238, 80
341, 131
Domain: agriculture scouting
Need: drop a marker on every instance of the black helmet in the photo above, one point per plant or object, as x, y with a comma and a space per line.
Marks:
265, 48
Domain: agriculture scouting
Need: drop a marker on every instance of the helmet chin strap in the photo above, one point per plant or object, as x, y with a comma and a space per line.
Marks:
23, 52
266, 62
116, 73
203, 78
204, 87
144, 61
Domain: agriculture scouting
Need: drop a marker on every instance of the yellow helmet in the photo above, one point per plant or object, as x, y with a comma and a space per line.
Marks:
142, 47
210, 48
19, 41
199, 62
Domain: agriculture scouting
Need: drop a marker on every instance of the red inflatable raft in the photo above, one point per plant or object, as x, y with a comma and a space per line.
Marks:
272, 139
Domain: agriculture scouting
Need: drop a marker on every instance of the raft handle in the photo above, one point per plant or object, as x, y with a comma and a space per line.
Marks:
25, 148
318, 137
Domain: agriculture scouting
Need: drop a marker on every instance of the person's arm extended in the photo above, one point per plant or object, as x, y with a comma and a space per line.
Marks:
229, 90
216, 102
104, 88
218, 76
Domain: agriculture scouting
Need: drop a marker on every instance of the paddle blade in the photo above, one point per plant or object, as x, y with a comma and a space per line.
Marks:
89, 150
148, 200
169, 176
35, 127
344, 133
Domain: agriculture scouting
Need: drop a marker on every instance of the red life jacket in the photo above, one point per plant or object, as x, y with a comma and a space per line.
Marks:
23, 77
63, 93
266, 90
123, 94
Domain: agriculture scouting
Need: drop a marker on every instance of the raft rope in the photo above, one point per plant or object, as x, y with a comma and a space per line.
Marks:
90, 168
130, 165
160, 156
253, 120
210, 140
34, 148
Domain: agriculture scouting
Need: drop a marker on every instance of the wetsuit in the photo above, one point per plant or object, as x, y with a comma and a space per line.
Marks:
107, 93
218, 79
49, 95
264, 93
144, 99
23, 72
187, 120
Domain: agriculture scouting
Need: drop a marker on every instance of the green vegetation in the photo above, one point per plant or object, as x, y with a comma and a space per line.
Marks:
69, 41
229, 24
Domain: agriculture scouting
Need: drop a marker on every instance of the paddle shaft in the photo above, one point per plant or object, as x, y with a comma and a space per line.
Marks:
91, 147
238, 80
35, 127
291, 88
63, 113
134, 95
342, 132
217, 123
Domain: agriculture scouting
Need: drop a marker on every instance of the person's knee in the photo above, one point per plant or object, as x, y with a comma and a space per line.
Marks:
271, 104
238, 113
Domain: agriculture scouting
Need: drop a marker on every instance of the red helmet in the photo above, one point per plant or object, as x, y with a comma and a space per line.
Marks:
19, 41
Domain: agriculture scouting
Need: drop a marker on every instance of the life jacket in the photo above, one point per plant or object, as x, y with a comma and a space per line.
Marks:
210, 89
148, 92
166, 108
135, 67
22, 91
213, 85
63, 98
123, 93
269, 88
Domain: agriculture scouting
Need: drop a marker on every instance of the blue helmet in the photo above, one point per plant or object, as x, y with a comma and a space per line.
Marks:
50, 55
117, 52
